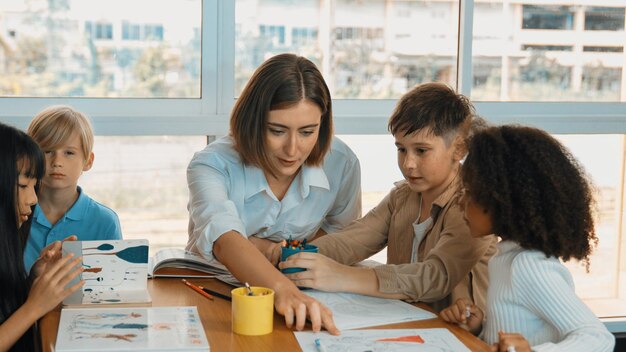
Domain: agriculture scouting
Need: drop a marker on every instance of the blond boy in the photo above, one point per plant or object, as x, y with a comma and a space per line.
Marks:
66, 138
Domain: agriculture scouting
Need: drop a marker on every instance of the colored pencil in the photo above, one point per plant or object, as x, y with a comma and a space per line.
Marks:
215, 294
197, 289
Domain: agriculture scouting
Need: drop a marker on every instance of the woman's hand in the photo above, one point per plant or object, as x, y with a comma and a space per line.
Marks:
270, 249
464, 312
322, 273
296, 306
49, 255
511, 342
49, 288
248, 264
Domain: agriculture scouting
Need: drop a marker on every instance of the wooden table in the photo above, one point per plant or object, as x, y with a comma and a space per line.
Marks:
216, 319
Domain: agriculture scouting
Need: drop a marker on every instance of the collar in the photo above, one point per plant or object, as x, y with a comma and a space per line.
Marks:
312, 176
309, 176
507, 246
449, 193
76, 212
444, 198
39, 217
254, 180
79, 208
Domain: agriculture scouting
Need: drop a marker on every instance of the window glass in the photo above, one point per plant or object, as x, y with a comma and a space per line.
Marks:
366, 49
599, 287
144, 180
532, 47
547, 17
94, 48
604, 19
606, 49
547, 53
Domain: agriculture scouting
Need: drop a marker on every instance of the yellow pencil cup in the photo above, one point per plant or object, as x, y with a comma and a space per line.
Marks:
253, 315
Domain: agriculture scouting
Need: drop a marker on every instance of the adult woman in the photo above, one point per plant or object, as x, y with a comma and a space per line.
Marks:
279, 174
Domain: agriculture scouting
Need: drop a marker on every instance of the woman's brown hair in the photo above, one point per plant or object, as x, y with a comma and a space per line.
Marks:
279, 83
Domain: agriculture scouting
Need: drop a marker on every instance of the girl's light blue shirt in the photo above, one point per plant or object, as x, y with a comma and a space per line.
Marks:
226, 195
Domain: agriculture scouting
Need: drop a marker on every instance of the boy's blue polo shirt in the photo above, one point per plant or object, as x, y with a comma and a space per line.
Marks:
87, 219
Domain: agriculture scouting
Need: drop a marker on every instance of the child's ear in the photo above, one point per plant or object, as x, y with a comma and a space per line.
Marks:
460, 148
89, 162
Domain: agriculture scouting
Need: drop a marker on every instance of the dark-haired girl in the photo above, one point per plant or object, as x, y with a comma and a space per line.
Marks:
523, 185
24, 300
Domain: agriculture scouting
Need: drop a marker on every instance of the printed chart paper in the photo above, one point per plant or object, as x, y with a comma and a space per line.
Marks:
388, 340
131, 329
115, 272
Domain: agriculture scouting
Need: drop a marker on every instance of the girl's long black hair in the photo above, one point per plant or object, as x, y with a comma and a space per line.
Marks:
15, 146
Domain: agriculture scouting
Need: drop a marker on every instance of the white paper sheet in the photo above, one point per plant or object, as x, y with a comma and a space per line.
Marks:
384, 340
131, 329
351, 311
115, 272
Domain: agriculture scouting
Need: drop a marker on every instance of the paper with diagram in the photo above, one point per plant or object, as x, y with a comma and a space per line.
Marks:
131, 329
115, 272
383, 340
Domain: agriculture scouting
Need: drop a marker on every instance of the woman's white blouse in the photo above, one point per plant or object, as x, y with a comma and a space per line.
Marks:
225, 195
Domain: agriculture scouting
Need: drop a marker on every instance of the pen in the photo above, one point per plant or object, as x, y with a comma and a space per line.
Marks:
319, 346
197, 289
216, 294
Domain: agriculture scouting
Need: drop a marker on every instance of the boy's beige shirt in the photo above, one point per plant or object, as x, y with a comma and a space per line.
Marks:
450, 262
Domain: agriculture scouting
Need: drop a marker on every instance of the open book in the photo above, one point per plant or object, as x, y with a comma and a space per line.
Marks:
177, 262
115, 272
131, 329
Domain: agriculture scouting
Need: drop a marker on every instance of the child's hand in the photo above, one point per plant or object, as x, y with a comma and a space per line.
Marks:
48, 255
511, 343
48, 289
464, 312
322, 273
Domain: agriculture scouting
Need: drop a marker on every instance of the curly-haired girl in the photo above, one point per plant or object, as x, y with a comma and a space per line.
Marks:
523, 185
